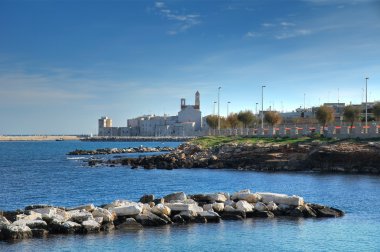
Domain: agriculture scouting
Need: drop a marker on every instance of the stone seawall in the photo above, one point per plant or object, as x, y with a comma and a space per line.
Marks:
176, 208
137, 139
345, 156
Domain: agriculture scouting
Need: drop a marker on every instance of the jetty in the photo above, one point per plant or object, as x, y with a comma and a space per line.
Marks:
174, 209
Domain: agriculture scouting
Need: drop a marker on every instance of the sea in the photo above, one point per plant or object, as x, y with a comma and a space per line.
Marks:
43, 173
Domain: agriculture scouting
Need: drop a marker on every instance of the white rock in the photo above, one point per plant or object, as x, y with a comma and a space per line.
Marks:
181, 196
207, 207
219, 207
281, 199
161, 209
189, 213
184, 207
31, 223
218, 197
260, 206
89, 207
272, 206
247, 196
46, 213
243, 205
31, 216
130, 210
229, 209
91, 225
104, 213
80, 216
208, 214
71, 225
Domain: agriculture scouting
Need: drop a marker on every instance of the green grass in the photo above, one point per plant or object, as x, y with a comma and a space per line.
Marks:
212, 141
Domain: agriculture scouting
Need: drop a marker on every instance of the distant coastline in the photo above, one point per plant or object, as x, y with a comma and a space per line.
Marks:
38, 138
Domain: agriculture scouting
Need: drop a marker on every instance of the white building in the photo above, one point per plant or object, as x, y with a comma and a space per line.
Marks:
188, 122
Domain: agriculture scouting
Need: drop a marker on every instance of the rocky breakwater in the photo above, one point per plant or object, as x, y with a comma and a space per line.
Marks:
343, 156
176, 208
107, 151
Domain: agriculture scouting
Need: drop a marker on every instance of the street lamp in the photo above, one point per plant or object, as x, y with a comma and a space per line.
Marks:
219, 108
228, 103
262, 106
366, 106
213, 112
256, 107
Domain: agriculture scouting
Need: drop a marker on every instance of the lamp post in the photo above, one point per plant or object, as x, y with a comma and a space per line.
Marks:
366, 107
228, 103
256, 107
262, 106
219, 108
213, 112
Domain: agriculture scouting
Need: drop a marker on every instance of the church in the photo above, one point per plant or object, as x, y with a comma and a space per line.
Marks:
188, 122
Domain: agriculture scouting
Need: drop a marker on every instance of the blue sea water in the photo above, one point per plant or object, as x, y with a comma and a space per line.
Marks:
41, 172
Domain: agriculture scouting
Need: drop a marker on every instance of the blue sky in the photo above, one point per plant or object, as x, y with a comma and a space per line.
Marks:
63, 64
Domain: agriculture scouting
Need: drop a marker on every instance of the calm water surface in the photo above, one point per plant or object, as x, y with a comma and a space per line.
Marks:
40, 172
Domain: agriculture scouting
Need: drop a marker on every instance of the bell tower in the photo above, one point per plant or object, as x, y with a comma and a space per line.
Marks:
197, 101
183, 103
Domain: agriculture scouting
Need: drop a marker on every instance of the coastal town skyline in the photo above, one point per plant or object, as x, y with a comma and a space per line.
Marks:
64, 64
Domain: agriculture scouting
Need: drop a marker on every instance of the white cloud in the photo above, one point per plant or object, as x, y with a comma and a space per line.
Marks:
293, 33
251, 34
159, 5
183, 21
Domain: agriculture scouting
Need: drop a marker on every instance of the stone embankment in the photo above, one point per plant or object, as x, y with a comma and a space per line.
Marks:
176, 208
137, 139
344, 156
120, 150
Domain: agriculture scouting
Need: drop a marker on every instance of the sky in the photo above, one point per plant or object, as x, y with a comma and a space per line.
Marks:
66, 63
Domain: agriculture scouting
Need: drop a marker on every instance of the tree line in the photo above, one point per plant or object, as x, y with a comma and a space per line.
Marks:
323, 114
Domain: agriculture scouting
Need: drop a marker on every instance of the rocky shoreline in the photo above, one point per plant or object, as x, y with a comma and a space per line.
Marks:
176, 208
106, 151
342, 156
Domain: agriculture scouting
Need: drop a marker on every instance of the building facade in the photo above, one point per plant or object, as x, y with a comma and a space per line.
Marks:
188, 122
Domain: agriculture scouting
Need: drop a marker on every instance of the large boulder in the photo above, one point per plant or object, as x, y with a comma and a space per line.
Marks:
89, 207
15, 232
39, 224
69, 227
104, 213
80, 216
128, 210
178, 196
218, 207
129, 224
90, 226
281, 199
219, 197
210, 216
247, 196
47, 213
150, 219
31, 216
207, 207
260, 206
184, 207
161, 209
243, 205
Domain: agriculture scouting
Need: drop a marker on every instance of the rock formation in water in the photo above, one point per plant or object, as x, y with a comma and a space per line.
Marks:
345, 156
176, 208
